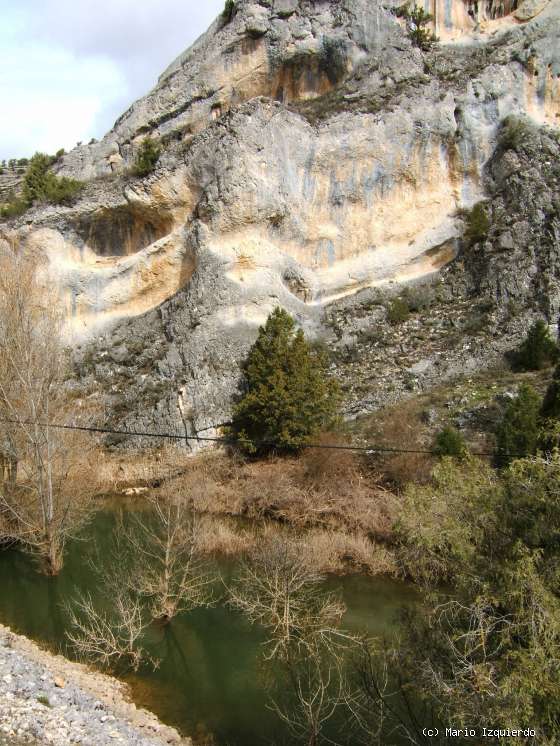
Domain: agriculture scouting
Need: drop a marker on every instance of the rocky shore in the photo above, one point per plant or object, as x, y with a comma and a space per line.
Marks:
46, 699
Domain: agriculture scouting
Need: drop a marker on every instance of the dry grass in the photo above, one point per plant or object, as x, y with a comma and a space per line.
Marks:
401, 427
225, 537
147, 468
339, 552
326, 489
327, 501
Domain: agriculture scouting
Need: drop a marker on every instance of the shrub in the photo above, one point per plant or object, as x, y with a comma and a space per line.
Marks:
229, 11
551, 403
147, 157
334, 59
41, 185
287, 394
450, 442
417, 19
518, 433
34, 183
400, 428
419, 297
538, 349
13, 209
440, 524
398, 311
514, 132
488, 651
478, 224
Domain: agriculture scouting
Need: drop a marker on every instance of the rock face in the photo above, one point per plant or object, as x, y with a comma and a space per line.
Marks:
517, 263
310, 152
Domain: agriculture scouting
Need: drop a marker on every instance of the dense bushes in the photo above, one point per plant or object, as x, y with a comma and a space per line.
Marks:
488, 652
441, 523
42, 186
13, 209
449, 442
287, 394
147, 157
519, 431
398, 311
551, 403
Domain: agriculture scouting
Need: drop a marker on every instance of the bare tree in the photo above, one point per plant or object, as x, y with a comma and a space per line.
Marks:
48, 474
316, 686
276, 590
109, 638
152, 574
380, 702
167, 567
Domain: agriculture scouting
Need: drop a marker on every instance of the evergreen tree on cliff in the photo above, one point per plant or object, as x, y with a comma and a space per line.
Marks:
551, 403
287, 394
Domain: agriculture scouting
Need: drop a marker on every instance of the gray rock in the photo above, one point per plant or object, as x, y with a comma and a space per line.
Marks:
324, 157
529, 9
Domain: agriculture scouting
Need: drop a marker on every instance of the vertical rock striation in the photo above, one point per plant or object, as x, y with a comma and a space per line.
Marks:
310, 151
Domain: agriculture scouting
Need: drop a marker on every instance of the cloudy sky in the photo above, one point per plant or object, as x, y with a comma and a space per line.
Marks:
69, 68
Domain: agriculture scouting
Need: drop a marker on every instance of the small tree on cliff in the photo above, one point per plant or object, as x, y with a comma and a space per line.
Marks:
147, 157
287, 393
538, 349
551, 402
518, 433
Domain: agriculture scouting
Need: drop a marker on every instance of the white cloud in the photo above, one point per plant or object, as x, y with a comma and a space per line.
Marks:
69, 69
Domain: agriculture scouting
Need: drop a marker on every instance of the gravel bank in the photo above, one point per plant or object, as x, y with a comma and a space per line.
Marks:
46, 699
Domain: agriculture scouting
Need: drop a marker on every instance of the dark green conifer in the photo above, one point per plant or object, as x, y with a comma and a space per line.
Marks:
551, 403
518, 433
538, 348
41, 185
287, 393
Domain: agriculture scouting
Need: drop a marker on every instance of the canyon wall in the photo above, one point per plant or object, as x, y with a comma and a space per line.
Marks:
310, 151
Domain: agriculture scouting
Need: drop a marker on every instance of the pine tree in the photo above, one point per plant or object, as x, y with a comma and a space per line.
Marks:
287, 394
519, 431
36, 179
538, 349
41, 185
551, 403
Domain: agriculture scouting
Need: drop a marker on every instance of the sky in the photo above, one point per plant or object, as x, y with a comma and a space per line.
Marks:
69, 68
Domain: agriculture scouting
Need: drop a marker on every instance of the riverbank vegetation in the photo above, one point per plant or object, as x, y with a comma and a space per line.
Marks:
47, 485
478, 535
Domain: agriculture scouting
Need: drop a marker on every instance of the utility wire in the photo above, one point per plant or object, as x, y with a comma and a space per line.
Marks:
236, 441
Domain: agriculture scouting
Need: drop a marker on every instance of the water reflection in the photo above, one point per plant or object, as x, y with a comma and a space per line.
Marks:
211, 683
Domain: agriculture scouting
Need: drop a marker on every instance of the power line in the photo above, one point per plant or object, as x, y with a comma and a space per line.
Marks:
369, 449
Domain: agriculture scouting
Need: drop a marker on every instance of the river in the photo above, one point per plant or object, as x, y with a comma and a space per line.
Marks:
211, 681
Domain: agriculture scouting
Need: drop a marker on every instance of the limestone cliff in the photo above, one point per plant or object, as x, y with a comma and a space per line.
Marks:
311, 152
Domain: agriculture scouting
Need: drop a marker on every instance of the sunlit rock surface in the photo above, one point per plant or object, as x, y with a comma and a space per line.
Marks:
310, 151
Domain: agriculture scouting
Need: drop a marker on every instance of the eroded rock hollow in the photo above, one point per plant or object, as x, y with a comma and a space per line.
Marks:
310, 151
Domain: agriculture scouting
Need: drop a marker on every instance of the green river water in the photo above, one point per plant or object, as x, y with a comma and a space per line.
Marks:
211, 680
